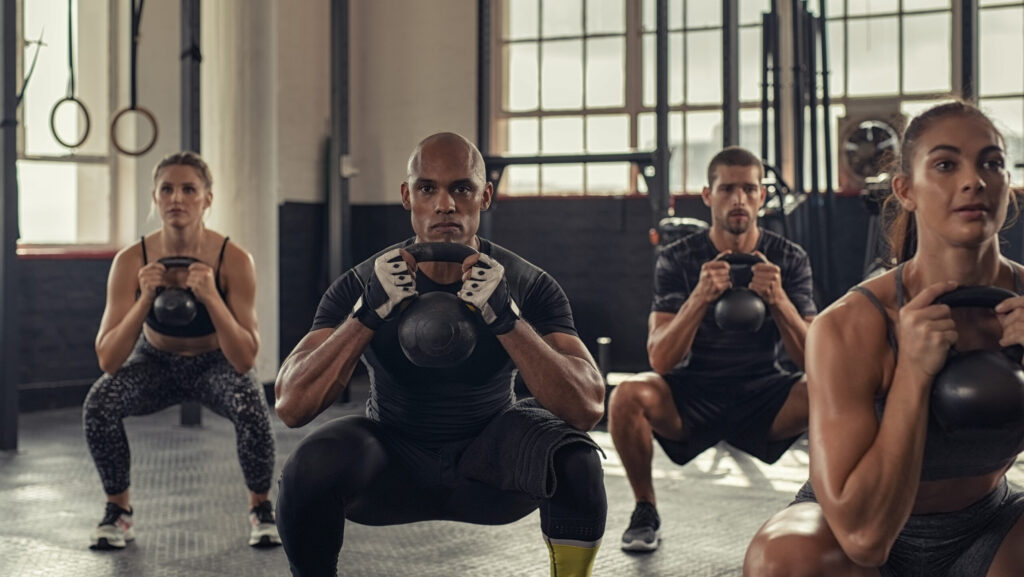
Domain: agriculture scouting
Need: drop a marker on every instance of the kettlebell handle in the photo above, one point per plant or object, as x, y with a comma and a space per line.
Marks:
440, 251
741, 259
986, 297
177, 261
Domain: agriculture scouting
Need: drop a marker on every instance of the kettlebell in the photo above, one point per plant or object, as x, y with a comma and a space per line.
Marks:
437, 330
979, 390
175, 306
740, 309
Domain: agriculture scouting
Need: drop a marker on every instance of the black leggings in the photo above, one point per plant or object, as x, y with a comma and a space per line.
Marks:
355, 468
151, 380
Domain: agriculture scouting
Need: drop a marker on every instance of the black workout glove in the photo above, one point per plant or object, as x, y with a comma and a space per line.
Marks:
391, 283
487, 291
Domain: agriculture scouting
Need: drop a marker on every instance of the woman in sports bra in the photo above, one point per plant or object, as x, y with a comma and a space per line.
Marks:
151, 362
890, 495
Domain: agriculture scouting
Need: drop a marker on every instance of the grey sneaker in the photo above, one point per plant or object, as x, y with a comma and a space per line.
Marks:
643, 533
264, 526
114, 531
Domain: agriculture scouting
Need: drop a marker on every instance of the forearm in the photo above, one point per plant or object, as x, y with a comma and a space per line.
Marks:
669, 344
114, 346
238, 343
879, 493
310, 380
792, 329
571, 387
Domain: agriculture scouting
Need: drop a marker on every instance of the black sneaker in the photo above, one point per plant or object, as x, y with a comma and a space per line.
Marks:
643, 533
114, 531
264, 526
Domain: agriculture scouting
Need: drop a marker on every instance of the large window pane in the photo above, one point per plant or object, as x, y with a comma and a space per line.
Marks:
606, 69
873, 57
750, 64
521, 87
858, 7
561, 135
561, 18
1008, 116
562, 74
561, 179
927, 52
49, 80
704, 67
751, 10
703, 13
63, 203
521, 180
911, 5
522, 19
523, 136
606, 16
608, 133
836, 58
750, 130
608, 178
675, 70
1001, 52
703, 141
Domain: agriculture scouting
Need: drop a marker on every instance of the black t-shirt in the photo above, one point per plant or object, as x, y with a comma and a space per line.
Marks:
717, 353
447, 404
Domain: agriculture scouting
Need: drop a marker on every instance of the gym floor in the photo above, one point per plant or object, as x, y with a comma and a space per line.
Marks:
191, 510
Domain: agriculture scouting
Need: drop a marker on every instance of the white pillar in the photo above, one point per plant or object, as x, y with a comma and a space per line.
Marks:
239, 95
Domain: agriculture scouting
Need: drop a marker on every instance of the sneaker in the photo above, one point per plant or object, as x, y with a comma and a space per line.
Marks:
115, 530
264, 526
643, 533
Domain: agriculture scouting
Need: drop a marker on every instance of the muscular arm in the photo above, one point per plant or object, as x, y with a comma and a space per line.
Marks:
235, 320
318, 370
560, 372
865, 472
123, 315
670, 336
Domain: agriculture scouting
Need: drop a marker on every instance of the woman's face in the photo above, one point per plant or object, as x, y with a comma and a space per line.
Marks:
181, 196
959, 183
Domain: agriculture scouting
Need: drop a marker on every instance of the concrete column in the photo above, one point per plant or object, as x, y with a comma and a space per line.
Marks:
239, 95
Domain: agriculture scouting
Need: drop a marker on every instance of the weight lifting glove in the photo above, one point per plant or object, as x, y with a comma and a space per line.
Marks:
391, 283
487, 291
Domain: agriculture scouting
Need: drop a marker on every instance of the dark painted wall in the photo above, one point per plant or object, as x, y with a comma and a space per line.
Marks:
597, 249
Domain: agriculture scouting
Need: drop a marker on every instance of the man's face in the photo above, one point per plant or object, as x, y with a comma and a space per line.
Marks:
445, 193
734, 197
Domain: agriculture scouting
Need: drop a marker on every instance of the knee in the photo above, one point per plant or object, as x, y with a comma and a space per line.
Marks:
328, 461
96, 404
630, 398
785, 555
578, 471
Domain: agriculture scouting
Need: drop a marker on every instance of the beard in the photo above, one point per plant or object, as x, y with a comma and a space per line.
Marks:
737, 227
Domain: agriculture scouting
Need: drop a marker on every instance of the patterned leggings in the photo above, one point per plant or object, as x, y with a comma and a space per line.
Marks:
151, 380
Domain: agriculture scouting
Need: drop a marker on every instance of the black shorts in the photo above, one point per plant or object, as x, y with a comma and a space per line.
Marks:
957, 544
713, 411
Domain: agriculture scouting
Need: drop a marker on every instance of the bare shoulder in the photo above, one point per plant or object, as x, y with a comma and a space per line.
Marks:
129, 257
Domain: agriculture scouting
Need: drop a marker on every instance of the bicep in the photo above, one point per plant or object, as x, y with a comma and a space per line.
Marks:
842, 379
121, 286
241, 294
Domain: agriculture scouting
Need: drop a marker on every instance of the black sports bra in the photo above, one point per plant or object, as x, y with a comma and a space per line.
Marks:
946, 457
202, 324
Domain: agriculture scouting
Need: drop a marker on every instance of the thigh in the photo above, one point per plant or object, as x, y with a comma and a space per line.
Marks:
797, 542
226, 392
1009, 526
474, 502
138, 388
791, 420
651, 392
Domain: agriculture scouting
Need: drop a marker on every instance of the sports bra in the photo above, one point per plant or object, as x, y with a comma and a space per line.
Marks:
947, 457
202, 324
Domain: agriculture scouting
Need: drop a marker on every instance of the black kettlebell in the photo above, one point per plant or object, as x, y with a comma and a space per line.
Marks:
740, 309
437, 330
175, 306
979, 390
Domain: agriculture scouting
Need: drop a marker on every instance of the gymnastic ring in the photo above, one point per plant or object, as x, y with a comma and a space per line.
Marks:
53, 122
113, 132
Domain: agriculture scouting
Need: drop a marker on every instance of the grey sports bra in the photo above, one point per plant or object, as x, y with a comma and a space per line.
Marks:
947, 457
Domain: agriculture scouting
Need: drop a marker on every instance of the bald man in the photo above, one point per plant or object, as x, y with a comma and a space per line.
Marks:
444, 443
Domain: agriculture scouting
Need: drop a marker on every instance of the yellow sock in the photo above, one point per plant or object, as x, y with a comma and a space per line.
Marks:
572, 558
